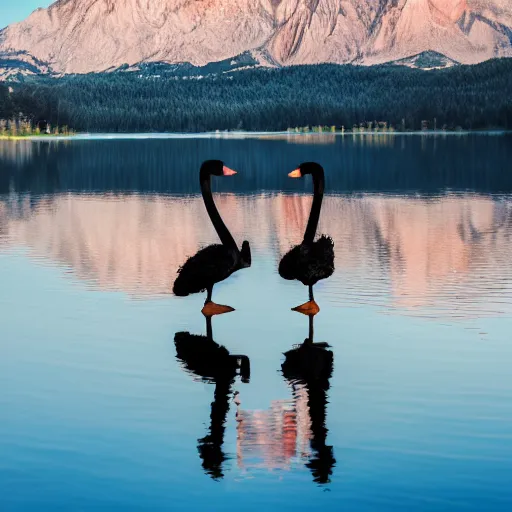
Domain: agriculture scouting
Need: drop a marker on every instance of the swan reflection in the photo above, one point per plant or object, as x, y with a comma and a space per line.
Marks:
292, 431
213, 364
308, 369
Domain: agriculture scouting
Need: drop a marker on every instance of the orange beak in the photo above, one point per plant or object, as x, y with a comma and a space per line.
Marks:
295, 174
226, 171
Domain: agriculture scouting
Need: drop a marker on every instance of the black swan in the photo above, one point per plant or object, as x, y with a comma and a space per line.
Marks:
216, 262
310, 367
213, 364
310, 261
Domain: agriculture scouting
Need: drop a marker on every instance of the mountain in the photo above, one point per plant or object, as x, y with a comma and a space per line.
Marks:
80, 36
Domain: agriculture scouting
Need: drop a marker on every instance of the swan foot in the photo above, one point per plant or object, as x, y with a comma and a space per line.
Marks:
211, 309
309, 308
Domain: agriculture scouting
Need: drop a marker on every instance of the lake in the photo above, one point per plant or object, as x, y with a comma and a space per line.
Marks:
101, 409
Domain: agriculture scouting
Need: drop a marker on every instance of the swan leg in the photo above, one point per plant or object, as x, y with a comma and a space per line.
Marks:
209, 291
311, 297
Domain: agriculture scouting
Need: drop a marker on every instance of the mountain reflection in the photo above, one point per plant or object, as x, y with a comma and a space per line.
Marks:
414, 252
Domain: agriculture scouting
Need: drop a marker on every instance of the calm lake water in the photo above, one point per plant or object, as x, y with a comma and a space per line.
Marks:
97, 412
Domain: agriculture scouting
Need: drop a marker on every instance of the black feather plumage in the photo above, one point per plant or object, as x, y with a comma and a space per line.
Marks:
210, 265
309, 262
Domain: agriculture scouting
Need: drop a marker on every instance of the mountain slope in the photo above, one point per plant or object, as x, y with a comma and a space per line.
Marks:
79, 36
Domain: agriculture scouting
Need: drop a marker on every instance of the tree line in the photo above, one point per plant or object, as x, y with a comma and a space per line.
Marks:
469, 97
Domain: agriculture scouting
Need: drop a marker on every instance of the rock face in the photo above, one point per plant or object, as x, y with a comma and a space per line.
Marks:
79, 36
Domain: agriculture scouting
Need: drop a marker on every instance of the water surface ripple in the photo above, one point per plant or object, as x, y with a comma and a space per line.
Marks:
104, 405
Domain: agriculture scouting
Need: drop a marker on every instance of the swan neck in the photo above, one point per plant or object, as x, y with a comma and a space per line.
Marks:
225, 236
314, 214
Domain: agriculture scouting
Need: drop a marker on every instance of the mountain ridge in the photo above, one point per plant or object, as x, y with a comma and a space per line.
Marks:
82, 36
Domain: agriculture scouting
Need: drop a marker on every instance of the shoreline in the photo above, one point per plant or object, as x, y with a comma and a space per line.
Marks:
243, 135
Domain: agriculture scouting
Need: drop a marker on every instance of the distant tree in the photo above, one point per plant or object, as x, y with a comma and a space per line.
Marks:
6, 106
320, 96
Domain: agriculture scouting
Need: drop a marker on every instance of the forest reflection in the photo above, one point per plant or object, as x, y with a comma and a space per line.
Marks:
353, 163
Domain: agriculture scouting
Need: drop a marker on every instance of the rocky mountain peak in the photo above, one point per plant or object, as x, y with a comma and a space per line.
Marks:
79, 36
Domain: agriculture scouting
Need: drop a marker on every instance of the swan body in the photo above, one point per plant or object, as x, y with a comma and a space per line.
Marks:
309, 262
207, 267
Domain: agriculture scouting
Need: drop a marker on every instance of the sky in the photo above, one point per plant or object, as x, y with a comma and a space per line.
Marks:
17, 10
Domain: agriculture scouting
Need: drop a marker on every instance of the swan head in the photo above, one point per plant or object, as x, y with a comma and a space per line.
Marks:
216, 168
306, 168
246, 254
